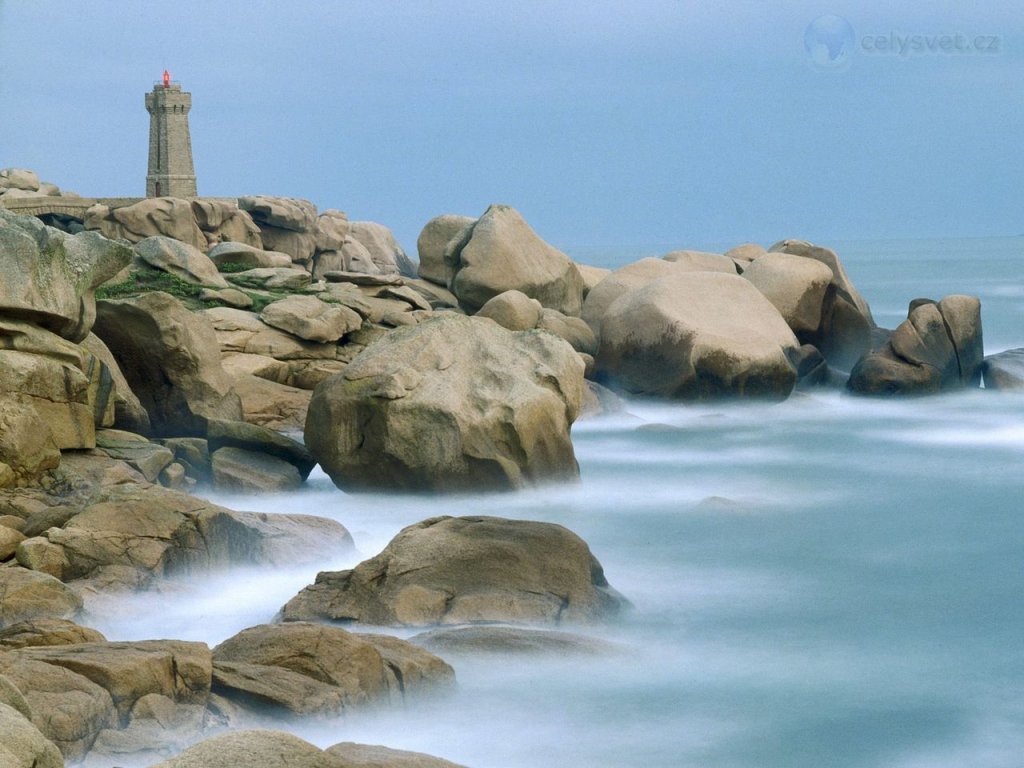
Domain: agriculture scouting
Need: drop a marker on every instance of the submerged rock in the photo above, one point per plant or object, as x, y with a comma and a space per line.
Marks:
459, 570
502, 641
1005, 370
454, 403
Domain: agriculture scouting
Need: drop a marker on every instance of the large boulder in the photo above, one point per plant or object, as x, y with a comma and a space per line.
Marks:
305, 668
696, 336
311, 319
70, 389
169, 216
332, 228
182, 260
500, 252
466, 570
171, 359
118, 698
450, 404
1004, 370
795, 286
433, 241
622, 281
845, 332
271, 404
286, 224
23, 746
937, 348
513, 310
384, 250
49, 277
222, 221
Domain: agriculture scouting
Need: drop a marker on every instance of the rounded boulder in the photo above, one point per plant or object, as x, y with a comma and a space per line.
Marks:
697, 336
454, 403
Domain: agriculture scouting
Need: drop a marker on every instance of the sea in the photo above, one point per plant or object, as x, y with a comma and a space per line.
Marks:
827, 582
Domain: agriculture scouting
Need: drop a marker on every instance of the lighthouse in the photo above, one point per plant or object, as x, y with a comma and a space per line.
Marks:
171, 172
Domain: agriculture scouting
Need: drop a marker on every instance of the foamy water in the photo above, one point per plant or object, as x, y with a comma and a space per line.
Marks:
829, 581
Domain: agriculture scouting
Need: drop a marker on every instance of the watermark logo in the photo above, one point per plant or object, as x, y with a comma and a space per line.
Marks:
831, 44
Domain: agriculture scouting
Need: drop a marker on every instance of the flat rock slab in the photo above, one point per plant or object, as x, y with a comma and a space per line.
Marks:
360, 278
498, 640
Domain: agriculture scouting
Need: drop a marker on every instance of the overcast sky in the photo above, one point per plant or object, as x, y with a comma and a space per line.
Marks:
624, 123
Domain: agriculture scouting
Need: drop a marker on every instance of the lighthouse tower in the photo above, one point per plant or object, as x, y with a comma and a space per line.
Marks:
171, 173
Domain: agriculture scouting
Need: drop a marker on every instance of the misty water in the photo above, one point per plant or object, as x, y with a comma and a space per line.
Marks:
829, 581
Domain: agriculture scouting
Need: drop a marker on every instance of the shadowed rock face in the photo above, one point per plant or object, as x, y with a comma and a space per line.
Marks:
454, 403
171, 359
49, 277
1005, 370
459, 570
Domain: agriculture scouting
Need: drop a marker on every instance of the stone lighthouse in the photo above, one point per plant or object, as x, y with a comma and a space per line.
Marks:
171, 173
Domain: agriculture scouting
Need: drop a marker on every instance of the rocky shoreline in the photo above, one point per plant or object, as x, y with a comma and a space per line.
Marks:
153, 349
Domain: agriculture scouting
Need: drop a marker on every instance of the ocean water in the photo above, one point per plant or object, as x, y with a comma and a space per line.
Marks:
828, 581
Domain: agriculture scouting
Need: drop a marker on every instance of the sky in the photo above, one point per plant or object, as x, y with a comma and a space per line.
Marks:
633, 123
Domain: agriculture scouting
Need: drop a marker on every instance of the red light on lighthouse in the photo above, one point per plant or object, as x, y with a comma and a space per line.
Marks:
167, 79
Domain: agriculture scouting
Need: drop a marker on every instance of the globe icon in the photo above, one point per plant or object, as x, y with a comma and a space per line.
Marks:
829, 42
